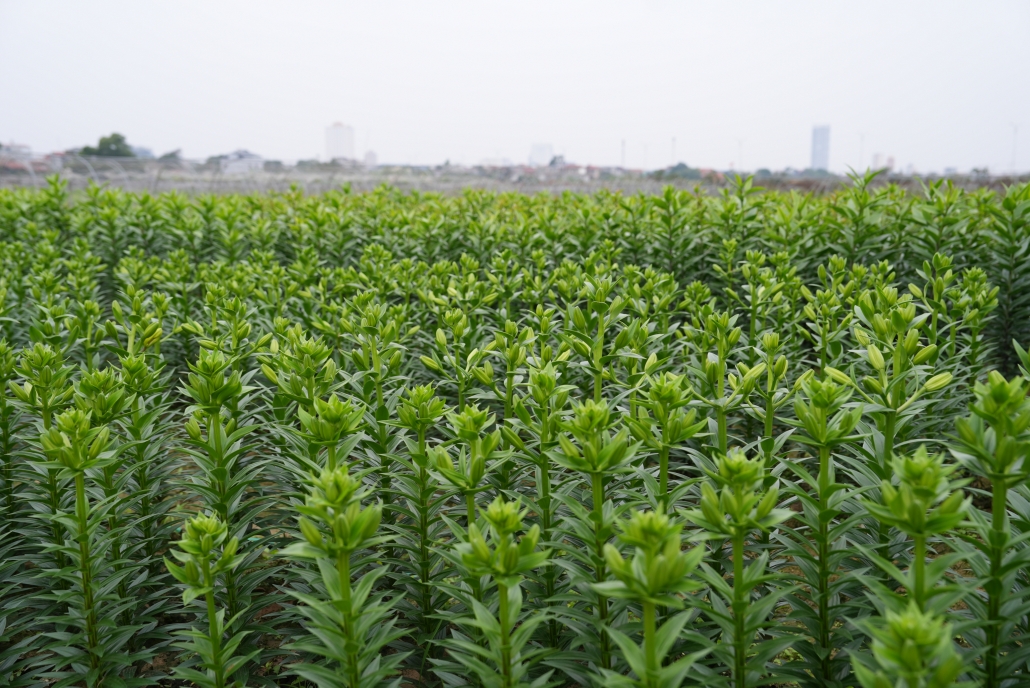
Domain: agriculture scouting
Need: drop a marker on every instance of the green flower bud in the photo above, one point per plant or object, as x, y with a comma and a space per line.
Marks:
937, 382
875, 357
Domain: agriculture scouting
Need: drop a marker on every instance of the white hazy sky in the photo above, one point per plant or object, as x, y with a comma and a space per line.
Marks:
935, 83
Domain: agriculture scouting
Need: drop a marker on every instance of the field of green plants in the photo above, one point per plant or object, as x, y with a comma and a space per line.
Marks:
390, 439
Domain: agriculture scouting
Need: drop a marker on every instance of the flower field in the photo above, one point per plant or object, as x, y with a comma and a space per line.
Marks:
496, 440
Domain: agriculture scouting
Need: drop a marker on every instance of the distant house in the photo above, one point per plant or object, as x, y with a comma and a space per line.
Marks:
242, 162
15, 156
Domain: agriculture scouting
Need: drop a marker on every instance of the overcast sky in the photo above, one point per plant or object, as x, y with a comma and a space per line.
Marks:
934, 84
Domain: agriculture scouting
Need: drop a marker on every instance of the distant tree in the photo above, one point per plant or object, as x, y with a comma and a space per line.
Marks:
678, 171
172, 156
113, 146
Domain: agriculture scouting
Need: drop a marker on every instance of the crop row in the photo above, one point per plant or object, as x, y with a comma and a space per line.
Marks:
366, 439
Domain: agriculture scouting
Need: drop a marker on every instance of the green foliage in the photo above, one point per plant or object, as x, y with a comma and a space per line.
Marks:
110, 146
910, 649
499, 440
207, 554
350, 625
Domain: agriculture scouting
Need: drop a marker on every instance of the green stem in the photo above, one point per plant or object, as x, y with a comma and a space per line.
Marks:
87, 349
54, 488
883, 530
740, 641
470, 515
824, 560
999, 524
545, 500
353, 670
545, 527
919, 571
460, 381
214, 435
598, 354
633, 391
424, 555
770, 410
650, 646
86, 571
505, 623
214, 628
663, 476
597, 484
752, 326
721, 437
470, 509
888, 444
509, 394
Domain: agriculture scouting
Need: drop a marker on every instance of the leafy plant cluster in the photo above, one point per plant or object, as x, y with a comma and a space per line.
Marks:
382, 439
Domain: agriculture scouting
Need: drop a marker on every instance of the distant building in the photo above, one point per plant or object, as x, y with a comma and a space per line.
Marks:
16, 150
242, 162
821, 148
339, 142
371, 160
540, 154
881, 162
15, 156
141, 152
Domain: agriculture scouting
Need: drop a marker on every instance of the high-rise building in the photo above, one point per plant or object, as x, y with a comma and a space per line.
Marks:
821, 148
339, 142
540, 154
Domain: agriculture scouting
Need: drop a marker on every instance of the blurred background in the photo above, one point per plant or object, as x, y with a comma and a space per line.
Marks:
528, 95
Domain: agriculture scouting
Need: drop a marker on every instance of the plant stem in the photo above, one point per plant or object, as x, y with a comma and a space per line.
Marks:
425, 496
888, 444
650, 648
663, 476
824, 560
740, 642
999, 524
86, 571
720, 418
597, 484
352, 668
505, 623
214, 628
919, 571
470, 512
470, 508
883, 530
509, 393
544, 500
